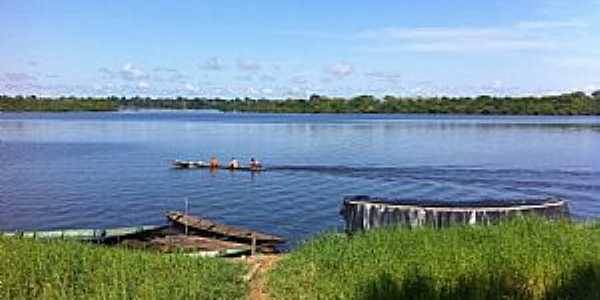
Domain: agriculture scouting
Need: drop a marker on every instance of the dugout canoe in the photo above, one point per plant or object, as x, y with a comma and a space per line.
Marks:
190, 244
158, 238
211, 228
198, 164
189, 164
86, 234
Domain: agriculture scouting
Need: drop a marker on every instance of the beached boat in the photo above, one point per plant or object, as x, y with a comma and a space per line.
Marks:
222, 240
198, 164
177, 242
99, 235
211, 228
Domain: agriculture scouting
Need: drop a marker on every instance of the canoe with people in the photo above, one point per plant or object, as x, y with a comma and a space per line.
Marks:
213, 163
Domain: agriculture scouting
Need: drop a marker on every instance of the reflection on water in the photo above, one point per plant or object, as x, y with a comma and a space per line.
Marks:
111, 169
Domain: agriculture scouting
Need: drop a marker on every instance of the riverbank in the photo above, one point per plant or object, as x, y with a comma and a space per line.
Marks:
523, 259
32, 269
577, 103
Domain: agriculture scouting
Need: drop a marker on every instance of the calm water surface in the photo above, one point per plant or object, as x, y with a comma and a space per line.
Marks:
97, 170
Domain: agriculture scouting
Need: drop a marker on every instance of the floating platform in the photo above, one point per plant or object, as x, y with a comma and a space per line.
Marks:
364, 212
198, 164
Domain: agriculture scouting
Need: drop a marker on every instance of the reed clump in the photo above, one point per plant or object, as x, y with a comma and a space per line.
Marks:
72, 270
520, 259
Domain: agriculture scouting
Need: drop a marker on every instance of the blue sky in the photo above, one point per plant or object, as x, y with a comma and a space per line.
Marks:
276, 49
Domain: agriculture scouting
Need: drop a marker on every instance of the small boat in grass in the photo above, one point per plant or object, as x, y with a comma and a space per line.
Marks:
203, 237
211, 228
98, 235
198, 164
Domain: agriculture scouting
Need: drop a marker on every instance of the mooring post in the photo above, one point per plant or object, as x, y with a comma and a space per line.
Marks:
253, 245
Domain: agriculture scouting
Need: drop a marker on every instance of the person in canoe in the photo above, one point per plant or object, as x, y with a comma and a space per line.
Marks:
214, 163
255, 164
234, 164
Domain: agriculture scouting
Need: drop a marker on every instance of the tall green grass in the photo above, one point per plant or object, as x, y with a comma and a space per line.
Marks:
72, 270
521, 259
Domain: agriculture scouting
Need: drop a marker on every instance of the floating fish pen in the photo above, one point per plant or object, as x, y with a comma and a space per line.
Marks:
364, 212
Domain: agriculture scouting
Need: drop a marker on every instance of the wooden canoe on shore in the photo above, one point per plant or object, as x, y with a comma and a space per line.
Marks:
203, 237
193, 245
87, 234
158, 238
220, 230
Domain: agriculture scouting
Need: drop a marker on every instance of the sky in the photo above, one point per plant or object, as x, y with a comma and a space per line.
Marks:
283, 49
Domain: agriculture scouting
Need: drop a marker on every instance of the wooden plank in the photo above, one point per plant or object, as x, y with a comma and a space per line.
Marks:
211, 227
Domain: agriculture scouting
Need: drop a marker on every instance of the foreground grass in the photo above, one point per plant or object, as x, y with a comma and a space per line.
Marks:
71, 270
524, 259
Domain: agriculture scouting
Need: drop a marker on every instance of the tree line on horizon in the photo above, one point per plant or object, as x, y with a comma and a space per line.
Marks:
576, 103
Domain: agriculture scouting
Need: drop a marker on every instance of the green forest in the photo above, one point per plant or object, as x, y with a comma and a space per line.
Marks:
576, 103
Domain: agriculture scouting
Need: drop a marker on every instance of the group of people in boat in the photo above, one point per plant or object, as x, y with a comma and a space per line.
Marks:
235, 164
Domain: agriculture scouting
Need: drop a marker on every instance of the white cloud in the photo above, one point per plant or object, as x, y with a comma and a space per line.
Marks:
299, 79
18, 76
166, 74
251, 91
309, 34
591, 88
267, 78
130, 72
524, 35
426, 33
106, 72
326, 80
267, 91
176, 77
450, 46
340, 70
244, 78
578, 62
143, 85
296, 92
497, 84
248, 65
543, 25
164, 70
190, 87
211, 64
384, 76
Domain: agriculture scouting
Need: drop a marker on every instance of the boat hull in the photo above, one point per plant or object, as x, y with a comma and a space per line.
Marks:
208, 227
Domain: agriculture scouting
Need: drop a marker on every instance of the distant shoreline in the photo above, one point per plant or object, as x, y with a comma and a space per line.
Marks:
577, 103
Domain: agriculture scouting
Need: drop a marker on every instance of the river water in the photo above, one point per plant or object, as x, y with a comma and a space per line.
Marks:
99, 170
